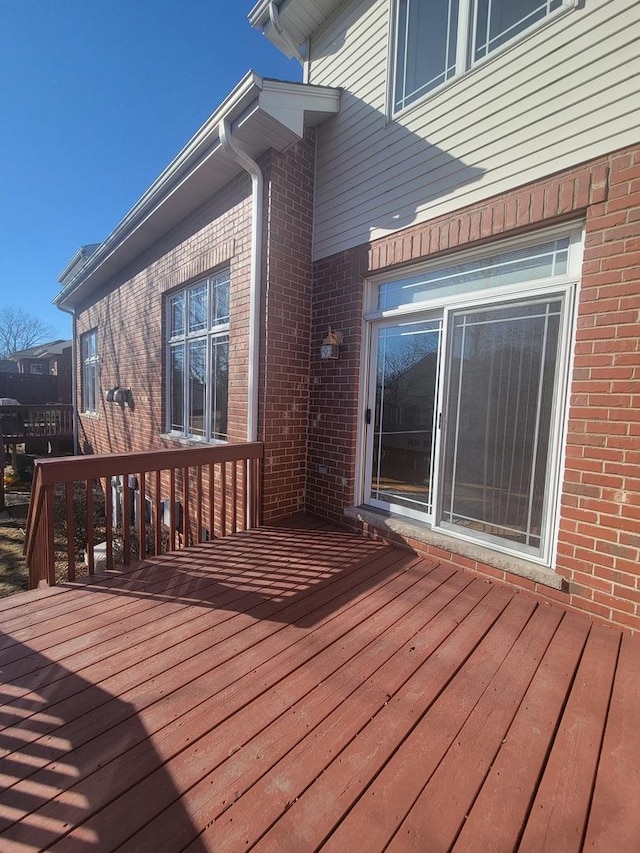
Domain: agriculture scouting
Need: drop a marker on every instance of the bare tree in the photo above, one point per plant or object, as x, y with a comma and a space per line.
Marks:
20, 330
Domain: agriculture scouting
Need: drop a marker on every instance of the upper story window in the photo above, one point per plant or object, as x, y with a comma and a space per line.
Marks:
198, 360
436, 40
89, 350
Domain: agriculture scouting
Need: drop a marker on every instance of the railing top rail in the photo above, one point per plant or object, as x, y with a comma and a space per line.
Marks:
70, 468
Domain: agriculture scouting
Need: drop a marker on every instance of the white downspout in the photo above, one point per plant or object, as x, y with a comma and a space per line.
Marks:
231, 147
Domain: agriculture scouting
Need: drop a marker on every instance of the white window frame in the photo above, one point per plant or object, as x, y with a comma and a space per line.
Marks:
214, 332
564, 287
464, 62
90, 389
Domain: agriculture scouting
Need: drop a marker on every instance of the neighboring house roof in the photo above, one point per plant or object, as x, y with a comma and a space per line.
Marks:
297, 18
45, 350
7, 366
262, 114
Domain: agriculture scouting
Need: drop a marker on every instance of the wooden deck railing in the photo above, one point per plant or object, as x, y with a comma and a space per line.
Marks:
19, 423
137, 505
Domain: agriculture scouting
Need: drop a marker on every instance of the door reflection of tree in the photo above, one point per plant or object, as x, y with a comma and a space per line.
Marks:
405, 403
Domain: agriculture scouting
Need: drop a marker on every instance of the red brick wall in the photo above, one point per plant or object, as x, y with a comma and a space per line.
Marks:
333, 401
599, 546
599, 540
129, 319
130, 322
287, 327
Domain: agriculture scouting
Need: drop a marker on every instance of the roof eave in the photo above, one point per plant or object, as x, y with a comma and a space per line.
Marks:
299, 19
259, 15
288, 106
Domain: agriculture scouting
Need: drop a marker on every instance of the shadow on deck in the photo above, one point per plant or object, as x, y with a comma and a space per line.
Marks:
300, 687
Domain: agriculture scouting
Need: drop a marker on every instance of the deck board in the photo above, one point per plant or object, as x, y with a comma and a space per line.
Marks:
614, 820
299, 687
560, 810
439, 811
500, 809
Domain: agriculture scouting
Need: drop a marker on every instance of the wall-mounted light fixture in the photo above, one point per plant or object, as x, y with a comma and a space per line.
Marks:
330, 348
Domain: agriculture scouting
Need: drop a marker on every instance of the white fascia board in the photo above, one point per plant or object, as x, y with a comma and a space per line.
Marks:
287, 103
204, 140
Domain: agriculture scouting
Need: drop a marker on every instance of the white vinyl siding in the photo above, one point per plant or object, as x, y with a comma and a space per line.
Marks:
563, 94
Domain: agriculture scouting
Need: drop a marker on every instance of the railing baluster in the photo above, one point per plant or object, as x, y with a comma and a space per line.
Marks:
50, 548
156, 515
126, 520
89, 494
212, 515
71, 531
245, 494
257, 504
142, 517
172, 508
186, 515
223, 499
108, 521
199, 524
234, 497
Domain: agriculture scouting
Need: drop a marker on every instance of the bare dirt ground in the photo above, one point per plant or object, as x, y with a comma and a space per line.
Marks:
13, 569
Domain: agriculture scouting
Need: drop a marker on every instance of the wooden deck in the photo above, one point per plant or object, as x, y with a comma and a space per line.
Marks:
297, 688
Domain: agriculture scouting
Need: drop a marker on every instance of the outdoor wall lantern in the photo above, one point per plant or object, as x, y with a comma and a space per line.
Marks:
330, 348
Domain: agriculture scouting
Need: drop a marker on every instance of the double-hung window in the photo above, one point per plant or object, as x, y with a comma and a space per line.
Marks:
435, 40
198, 360
89, 350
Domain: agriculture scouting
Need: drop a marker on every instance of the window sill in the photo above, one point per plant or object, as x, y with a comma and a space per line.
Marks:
410, 529
183, 441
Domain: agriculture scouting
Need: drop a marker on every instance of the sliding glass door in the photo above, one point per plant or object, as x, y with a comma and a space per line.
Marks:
498, 420
466, 393
405, 370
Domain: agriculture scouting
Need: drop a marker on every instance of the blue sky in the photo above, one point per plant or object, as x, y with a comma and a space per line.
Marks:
96, 97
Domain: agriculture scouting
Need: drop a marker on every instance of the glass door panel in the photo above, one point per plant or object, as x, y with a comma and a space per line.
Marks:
501, 388
405, 367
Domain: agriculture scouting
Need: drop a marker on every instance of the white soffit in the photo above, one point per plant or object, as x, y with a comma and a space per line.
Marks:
300, 19
263, 114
